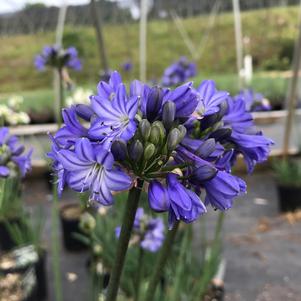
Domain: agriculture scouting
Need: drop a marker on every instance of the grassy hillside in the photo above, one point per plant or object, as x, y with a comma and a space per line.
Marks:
271, 33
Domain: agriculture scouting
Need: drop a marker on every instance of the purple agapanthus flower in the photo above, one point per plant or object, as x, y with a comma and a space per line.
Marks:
56, 57
12, 155
178, 72
181, 203
182, 142
91, 167
150, 231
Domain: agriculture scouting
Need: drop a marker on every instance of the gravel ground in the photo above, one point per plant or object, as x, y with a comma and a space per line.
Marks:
262, 249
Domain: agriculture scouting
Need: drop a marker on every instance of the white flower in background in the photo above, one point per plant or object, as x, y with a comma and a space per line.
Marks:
11, 114
80, 95
15, 102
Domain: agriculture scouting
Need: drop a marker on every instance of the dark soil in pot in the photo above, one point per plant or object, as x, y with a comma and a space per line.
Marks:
70, 218
6, 241
289, 197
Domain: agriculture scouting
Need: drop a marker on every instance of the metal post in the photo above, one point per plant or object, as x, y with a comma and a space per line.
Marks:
99, 35
143, 39
292, 93
238, 39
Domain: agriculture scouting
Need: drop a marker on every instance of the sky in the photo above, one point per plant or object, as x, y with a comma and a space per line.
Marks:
13, 5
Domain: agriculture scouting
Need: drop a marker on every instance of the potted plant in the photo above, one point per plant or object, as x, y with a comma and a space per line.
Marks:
14, 164
28, 232
288, 176
175, 145
70, 215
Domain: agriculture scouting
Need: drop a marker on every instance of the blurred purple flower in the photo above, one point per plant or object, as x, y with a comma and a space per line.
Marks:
54, 56
127, 66
12, 152
149, 230
178, 72
254, 102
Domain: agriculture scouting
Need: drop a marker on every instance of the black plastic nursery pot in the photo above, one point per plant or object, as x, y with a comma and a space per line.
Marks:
70, 219
289, 198
6, 241
41, 273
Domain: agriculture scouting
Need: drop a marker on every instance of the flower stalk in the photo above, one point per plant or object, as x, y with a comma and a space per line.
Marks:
123, 242
139, 274
161, 261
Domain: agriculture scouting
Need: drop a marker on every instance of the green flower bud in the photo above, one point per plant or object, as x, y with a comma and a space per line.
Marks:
173, 139
145, 129
149, 151
87, 223
154, 135
136, 150
168, 115
183, 131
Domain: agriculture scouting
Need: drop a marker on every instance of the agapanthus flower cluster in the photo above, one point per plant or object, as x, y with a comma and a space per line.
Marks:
148, 232
181, 142
179, 72
79, 96
12, 157
255, 102
11, 113
57, 57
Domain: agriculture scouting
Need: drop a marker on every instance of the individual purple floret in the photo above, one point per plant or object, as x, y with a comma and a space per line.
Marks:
56, 57
12, 157
178, 72
150, 231
254, 102
90, 167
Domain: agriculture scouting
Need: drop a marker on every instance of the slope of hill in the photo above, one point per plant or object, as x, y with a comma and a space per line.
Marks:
269, 36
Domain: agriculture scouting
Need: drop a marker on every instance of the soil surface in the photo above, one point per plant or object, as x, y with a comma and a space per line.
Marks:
262, 249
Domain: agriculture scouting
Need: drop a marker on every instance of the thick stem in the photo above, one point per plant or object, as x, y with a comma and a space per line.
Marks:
160, 264
139, 274
61, 98
123, 242
56, 247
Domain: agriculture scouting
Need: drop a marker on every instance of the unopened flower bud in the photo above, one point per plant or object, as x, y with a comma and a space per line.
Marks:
154, 135
168, 115
149, 151
161, 128
87, 223
97, 249
183, 131
145, 129
206, 148
173, 139
136, 150
119, 150
154, 102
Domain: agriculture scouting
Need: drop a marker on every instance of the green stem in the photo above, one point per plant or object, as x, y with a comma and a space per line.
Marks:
56, 247
123, 242
161, 261
180, 267
61, 98
139, 274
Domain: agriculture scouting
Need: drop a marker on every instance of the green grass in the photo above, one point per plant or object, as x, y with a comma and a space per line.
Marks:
271, 33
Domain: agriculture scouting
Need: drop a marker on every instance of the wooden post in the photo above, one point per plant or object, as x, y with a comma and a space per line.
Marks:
292, 93
143, 39
238, 40
97, 22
